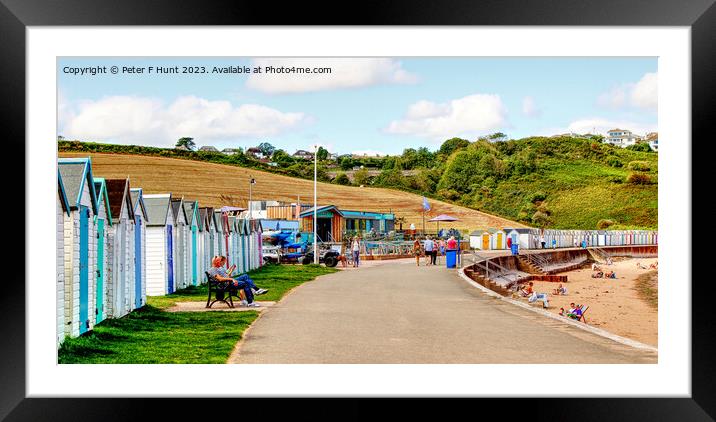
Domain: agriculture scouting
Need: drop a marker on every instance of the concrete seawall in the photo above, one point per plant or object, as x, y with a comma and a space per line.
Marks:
502, 272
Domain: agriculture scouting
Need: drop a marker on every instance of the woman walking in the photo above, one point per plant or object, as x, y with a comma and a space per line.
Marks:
416, 251
355, 247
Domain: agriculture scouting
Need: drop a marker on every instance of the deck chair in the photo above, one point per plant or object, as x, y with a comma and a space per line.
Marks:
584, 311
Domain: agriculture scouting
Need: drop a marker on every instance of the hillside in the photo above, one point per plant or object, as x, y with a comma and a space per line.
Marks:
218, 184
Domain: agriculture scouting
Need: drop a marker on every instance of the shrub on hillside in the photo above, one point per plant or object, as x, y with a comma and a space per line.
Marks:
537, 196
639, 166
603, 224
616, 179
642, 146
639, 179
342, 179
614, 162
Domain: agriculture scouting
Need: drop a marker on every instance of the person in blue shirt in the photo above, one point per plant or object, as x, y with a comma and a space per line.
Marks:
430, 251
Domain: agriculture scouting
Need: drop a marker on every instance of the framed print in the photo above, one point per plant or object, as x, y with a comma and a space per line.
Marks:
460, 200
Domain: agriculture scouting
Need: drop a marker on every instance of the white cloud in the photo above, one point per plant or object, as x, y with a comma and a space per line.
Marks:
470, 116
529, 108
345, 73
643, 94
598, 125
130, 119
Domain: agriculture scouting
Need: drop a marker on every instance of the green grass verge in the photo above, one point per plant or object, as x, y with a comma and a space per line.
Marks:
152, 335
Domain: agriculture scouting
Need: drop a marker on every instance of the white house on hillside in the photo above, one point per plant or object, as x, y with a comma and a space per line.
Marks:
621, 137
653, 139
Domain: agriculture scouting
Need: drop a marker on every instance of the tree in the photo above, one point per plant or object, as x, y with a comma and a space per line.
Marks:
452, 144
322, 154
361, 176
342, 179
186, 142
346, 163
266, 149
282, 158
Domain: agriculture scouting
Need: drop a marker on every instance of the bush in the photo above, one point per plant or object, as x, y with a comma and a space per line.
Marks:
616, 179
537, 196
614, 162
639, 165
603, 224
342, 179
639, 179
642, 146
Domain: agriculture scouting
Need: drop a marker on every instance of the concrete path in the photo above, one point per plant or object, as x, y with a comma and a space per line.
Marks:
395, 312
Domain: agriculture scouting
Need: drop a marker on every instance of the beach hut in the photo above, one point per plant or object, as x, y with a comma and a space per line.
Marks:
209, 234
63, 212
513, 235
139, 296
476, 239
219, 238
180, 234
528, 238
191, 213
200, 244
121, 279
499, 239
104, 224
245, 254
160, 244
80, 235
601, 238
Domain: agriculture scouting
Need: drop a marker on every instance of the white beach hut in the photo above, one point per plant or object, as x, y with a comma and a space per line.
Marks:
63, 212
121, 276
160, 245
181, 249
139, 294
103, 263
80, 236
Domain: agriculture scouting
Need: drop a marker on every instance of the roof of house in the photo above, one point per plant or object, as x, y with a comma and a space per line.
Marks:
230, 150
100, 189
118, 193
208, 148
321, 208
76, 173
63, 194
137, 197
157, 207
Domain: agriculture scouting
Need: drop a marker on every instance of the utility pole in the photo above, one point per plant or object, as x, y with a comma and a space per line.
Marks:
252, 181
315, 205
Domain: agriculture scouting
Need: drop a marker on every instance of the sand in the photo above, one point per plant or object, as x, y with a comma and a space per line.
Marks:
614, 304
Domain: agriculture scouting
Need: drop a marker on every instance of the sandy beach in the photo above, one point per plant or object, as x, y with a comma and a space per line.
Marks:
615, 305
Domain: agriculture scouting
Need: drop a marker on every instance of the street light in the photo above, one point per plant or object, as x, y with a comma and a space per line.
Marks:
252, 182
315, 205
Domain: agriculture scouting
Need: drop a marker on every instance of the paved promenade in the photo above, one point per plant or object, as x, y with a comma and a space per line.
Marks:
395, 312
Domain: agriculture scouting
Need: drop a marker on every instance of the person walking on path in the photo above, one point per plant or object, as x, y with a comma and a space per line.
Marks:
355, 247
541, 240
416, 251
430, 251
442, 247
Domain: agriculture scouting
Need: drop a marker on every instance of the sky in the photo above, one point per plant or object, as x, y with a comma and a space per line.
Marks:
364, 105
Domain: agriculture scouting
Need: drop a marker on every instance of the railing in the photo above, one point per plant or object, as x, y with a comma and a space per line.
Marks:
538, 260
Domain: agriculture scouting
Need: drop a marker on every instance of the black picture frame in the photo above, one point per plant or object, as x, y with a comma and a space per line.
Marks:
16, 15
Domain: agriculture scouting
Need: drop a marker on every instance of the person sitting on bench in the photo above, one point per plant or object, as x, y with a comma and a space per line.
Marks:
242, 282
245, 278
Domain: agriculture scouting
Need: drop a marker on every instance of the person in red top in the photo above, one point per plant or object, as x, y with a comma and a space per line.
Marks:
452, 243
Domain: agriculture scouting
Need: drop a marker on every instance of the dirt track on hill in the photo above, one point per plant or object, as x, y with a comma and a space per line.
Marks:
207, 182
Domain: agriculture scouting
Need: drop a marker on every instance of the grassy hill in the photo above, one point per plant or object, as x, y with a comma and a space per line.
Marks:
219, 184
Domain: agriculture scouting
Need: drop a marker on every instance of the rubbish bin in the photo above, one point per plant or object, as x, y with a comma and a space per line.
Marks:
451, 258
514, 248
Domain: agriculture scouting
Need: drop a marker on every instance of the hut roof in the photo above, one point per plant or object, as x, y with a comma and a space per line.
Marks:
321, 208
137, 197
100, 189
118, 191
63, 194
157, 207
189, 210
76, 173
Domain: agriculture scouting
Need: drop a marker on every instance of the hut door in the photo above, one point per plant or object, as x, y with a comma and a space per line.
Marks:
485, 241
137, 262
100, 271
170, 261
122, 255
194, 272
323, 229
499, 241
84, 267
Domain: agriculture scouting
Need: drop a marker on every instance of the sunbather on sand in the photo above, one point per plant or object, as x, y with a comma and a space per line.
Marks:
598, 274
610, 274
527, 291
595, 267
560, 290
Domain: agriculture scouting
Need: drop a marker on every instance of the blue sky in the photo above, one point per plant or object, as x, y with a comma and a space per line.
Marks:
374, 105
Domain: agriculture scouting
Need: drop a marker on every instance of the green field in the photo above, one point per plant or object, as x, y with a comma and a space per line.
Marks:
152, 335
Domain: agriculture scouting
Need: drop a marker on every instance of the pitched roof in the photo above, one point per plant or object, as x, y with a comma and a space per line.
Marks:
63, 194
157, 207
76, 173
176, 206
118, 193
137, 196
321, 208
102, 197
189, 211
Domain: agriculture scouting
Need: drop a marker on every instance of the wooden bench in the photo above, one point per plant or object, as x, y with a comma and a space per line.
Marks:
222, 291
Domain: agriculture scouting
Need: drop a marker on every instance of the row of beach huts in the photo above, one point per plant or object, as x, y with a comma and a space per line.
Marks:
529, 238
116, 245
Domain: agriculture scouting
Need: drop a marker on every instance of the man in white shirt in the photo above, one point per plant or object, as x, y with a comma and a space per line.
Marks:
430, 250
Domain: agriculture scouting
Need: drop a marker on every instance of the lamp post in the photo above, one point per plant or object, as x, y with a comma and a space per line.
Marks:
315, 205
252, 182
